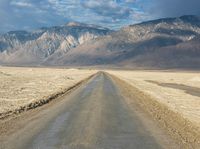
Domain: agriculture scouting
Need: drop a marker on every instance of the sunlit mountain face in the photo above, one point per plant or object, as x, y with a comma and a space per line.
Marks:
30, 48
162, 43
124, 33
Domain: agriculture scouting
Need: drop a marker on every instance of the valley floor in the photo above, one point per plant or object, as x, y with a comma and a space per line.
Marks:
19, 87
94, 116
180, 91
171, 98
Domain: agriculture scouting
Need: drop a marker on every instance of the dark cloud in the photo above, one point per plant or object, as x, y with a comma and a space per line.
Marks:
173, 8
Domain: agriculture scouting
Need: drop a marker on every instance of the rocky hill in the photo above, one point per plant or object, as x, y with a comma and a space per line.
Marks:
33, 48
163, 43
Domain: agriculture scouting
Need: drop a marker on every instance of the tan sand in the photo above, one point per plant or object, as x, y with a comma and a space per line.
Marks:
22, 86
180, 91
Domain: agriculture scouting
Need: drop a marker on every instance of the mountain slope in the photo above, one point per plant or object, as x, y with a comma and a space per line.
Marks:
33, 48
163, 43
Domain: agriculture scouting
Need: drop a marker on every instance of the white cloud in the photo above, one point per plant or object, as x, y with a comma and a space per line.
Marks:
21, 4
38, 13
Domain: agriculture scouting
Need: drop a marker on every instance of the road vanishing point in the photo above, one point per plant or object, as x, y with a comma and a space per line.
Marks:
93, 116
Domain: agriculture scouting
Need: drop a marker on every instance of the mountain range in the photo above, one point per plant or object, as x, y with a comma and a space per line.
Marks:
162, 43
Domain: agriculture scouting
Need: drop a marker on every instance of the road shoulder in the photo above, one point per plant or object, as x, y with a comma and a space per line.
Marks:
182, 130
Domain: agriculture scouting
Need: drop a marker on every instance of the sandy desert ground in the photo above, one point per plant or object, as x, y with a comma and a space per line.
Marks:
180, 91
172, 96
93, 116
22, 86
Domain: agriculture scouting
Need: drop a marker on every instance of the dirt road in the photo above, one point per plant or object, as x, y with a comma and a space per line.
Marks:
94, 116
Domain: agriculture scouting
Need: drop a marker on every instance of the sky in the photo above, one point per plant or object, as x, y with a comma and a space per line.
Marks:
33, 14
